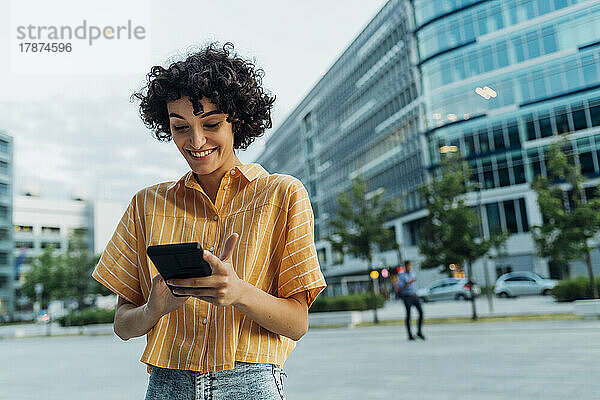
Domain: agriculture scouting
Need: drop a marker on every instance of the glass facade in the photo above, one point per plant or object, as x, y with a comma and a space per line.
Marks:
362, 119
498, 79
7, 298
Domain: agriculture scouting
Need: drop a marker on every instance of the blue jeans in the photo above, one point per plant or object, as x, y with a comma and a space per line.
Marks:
247, 381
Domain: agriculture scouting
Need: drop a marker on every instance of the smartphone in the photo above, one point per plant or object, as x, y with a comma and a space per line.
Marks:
179, 261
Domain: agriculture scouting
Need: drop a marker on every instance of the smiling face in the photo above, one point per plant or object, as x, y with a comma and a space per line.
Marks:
205, 140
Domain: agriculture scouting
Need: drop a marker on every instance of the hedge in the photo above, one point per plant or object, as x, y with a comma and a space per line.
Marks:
354, 302
574, 289
87, 316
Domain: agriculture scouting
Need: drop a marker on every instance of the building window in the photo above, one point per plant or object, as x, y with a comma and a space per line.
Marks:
78, 231
503, 269
523, 212
493, 217
3, 189
415, 231
545, 126
586, 161
322, 255
51, 230
56, 245
518, 169
338, 257
24, 228
28, 244
307, 123
3, 258
3, 146
510, 216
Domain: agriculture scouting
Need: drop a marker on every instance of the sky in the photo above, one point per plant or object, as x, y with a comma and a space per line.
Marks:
75, 130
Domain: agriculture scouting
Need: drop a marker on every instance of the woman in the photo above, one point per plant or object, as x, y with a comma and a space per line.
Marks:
229, 334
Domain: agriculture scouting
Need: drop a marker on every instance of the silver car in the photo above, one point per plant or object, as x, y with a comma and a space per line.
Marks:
523, 283
448, 289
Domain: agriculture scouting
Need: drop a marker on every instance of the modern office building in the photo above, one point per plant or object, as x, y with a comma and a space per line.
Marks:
361, 118
40, 222
6, 237
498, 79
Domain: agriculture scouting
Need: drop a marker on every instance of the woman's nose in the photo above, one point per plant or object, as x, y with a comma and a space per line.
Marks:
198, 139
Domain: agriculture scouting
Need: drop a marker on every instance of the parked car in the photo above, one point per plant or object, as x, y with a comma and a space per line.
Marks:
448, 289
523, 283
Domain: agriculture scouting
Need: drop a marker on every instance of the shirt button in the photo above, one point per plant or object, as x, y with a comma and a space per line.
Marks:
212, 248
216, 217
232, 172
225, 187
204, 321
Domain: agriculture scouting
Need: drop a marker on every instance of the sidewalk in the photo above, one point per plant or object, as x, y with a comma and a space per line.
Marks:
32, 330
393, 311
533, 305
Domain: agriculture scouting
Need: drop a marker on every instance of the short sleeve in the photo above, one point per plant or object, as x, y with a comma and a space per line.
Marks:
299, 269
402, 279
119, 266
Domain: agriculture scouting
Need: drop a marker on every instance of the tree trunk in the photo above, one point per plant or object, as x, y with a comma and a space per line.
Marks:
470, 281
593, 286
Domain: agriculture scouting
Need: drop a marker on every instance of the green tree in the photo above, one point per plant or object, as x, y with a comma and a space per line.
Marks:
47, 269
358, 228
451, 231
63, 275
569, 221
78, 263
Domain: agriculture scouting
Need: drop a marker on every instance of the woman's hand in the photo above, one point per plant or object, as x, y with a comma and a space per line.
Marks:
223, 287
161, 301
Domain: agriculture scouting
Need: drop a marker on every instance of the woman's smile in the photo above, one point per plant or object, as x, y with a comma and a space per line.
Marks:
202, 155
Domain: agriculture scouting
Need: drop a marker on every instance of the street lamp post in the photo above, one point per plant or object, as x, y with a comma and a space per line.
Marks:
373, 277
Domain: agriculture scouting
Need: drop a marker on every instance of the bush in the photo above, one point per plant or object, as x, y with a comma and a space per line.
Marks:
485, 289
354, 302
574, 289
87, 316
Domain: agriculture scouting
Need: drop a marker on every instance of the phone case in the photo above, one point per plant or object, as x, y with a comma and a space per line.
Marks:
179, 261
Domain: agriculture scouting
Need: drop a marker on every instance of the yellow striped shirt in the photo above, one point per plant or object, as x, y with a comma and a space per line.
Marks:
275, 252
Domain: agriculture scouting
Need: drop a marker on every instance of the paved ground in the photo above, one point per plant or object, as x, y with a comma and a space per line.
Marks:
393, 310
483, 361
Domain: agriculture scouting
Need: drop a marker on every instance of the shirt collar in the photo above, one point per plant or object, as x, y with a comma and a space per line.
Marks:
250, 171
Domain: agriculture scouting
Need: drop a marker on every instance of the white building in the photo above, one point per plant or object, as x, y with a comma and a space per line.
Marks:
40, 222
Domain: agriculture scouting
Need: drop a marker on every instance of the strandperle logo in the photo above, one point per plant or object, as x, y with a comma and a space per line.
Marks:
84, 31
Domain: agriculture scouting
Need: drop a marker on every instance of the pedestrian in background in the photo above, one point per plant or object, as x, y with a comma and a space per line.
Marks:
407, 286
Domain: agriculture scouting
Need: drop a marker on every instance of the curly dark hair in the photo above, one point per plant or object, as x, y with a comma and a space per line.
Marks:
231, 83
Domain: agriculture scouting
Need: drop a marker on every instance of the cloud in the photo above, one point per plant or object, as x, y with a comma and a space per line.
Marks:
86, 145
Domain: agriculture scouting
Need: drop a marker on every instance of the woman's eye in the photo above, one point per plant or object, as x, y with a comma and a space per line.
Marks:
211, 126
179, 128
